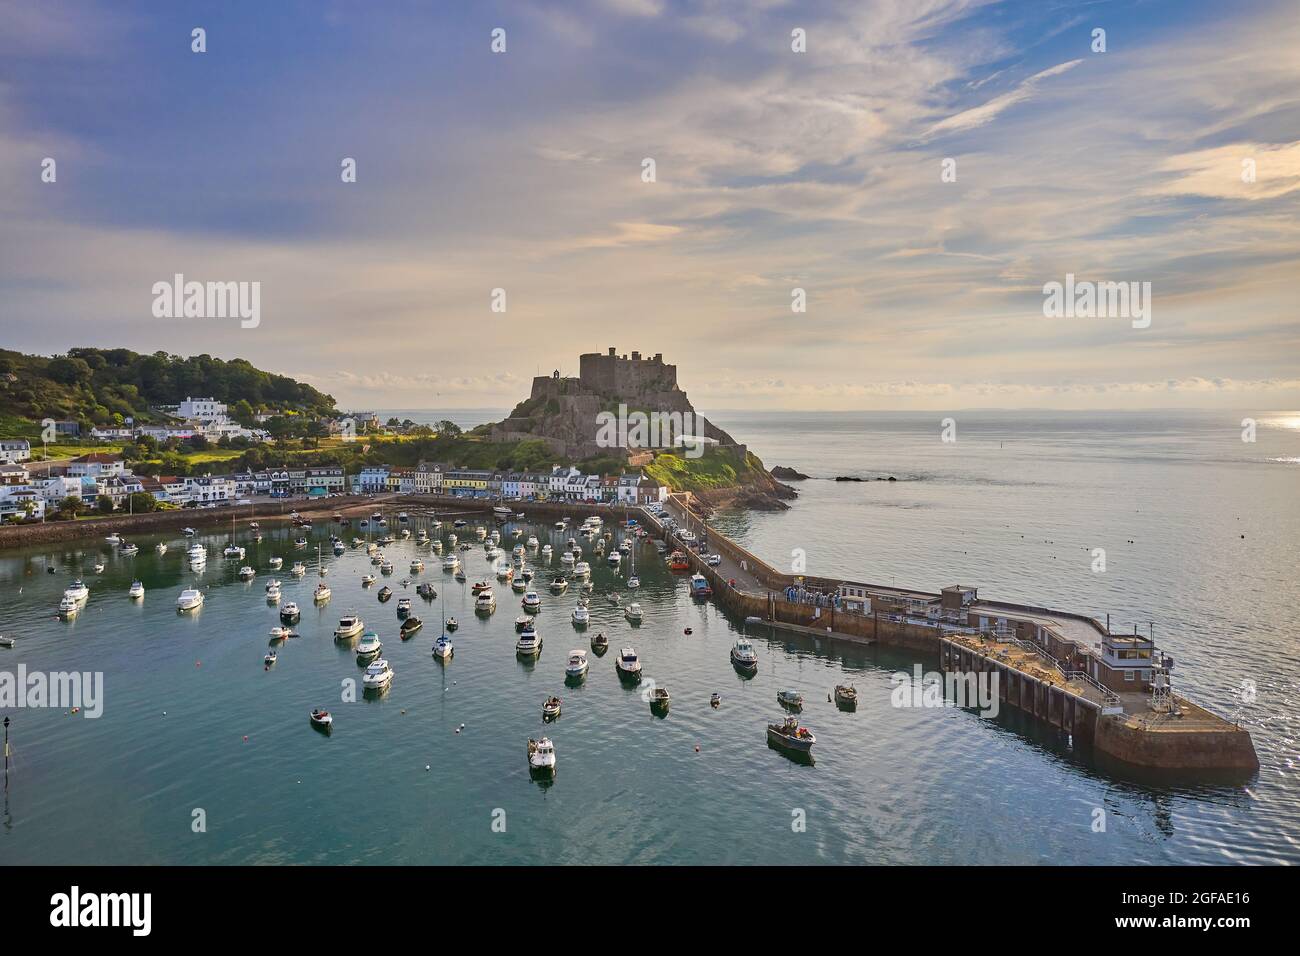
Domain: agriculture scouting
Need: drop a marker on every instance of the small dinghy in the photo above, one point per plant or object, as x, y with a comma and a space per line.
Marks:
7, 641
790, 699
367, 580
551, 708
280, 633
427, 591
846, 697
715, 701
385, 593
660, 700
99, 567
409, 627
322, 720
451, 624
270, 658
600, 643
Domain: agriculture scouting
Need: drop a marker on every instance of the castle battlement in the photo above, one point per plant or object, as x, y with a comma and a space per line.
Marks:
614, 374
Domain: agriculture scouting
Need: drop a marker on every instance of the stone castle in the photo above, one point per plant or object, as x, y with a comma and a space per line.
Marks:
563, 411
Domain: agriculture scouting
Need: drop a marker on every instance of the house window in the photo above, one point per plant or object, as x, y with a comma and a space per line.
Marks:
1128, 675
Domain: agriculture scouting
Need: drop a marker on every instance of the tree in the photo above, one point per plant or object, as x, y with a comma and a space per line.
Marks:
104, 503
69, 508
69, 371
143, 502
448, 429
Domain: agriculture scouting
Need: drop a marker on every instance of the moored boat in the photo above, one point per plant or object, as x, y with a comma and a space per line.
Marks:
846, 697
541, 756
790, 699
321, 719
189, 600
660, 700
136, 590
551, 708
789, 737
369, 646
378, 676
628, 665
290, 613
743, 656
349, 626
576, 667
443, 649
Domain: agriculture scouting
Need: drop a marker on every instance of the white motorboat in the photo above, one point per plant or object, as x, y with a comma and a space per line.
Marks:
99, 567
633, 613
450, 563
501, 511
567, 558
532, 602
378, 676
290, 612
127, 549
577, 664
529, 643
541, 756
322, 593
136, 590
628, 665
298, 569
547, 550
69, 607
281, 633
581, 616
113, 538
367, 580
276, 563
614, 559
443, 649
486, 601
350, 625
582, 570
246, 573
559, 586
417, 566
480, 532
78, 591
532, 541
518, 585
743, 655
369, 646
189, 600
386, 567
233, 551
522, 621
273, 585
269, 659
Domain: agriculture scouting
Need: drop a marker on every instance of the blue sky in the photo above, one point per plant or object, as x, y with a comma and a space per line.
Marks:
775, 170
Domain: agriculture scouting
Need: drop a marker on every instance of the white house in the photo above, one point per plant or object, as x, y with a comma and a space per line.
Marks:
96, 465
210, 488
205, 409
627, 488
14, 450
372, 478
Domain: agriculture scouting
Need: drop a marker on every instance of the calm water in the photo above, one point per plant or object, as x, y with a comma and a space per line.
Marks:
193, 720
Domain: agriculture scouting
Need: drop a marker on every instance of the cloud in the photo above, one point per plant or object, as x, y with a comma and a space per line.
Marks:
987, 112
1221, 173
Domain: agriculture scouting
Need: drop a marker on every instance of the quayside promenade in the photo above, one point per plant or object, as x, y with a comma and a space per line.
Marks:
1111, 692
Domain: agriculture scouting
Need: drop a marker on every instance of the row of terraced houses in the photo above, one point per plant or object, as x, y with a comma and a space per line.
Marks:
561, 483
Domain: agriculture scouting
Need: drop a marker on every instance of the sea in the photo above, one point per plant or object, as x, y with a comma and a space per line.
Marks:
1168, 523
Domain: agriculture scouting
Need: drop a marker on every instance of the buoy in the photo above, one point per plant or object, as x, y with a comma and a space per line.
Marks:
426, 768
245, 738
697, 748
687, 631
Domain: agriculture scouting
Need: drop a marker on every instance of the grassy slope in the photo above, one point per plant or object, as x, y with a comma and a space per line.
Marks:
714, 469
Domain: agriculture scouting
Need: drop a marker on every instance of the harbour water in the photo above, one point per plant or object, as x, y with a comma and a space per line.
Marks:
193, 721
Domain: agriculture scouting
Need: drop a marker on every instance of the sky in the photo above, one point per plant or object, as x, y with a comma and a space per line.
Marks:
774, 170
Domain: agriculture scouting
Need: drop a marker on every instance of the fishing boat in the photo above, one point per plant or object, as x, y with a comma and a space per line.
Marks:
532, 602
628, 666
369, 646
581, 616
322, 720
541, 756
576, 667
269, 659
600, 644
136, 590
486, 602
349, 626
743, 656
790, 699
378, 676
246, 573
715, 701
660, 700
409, 626
189, 600
529, 643
322, 593
451, 624
559, 585
677, 561
551, 708
790, 737
290, 613
403, 606
384, 593
846, 697
633, 613
700, 586
276, 563
367, 580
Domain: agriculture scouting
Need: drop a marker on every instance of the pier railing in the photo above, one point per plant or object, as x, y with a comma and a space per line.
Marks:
1108, 695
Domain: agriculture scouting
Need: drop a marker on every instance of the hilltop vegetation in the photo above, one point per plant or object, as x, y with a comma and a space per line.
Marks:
106, 386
